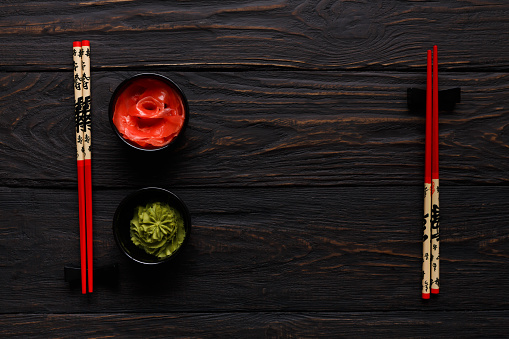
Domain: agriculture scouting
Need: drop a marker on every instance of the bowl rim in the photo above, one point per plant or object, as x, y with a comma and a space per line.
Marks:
182, 208
123, 85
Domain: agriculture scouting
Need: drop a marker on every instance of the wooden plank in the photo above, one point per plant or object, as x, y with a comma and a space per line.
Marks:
262, 129
321, 249
260, 325
369, 35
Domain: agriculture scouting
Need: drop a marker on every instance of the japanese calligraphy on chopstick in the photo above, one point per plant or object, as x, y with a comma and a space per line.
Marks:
82, 113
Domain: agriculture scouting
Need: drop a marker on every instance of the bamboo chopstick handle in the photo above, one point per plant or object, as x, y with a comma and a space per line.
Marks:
435, 238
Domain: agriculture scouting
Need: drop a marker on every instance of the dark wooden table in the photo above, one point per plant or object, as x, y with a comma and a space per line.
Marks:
301, 165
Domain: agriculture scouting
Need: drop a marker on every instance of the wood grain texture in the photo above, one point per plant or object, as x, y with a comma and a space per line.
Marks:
322, 249
259, 325
262, 129
301, 166
303, 34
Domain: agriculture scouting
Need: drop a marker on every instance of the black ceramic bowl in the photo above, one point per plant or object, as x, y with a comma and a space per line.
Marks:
124, 85
125, 212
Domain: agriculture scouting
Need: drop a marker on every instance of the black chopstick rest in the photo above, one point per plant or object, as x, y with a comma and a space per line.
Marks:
103, 275
447, 99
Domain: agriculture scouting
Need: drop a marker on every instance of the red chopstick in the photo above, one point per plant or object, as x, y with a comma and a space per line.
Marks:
87, 122
435, 209
426, 276
80, 149
82, 110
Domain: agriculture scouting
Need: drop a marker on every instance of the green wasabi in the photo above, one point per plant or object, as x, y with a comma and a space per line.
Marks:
158, 229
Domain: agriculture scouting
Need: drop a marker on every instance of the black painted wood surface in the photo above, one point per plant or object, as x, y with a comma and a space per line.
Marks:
302, 168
